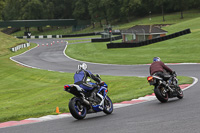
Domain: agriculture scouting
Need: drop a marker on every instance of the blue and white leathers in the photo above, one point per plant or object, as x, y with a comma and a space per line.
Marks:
80, 78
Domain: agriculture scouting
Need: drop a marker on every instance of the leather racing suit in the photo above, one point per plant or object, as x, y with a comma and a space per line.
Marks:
80, 78
159, 68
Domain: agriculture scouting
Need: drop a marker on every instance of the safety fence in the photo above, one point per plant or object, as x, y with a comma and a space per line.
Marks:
58, 36
71, 35
39, 37
147, 42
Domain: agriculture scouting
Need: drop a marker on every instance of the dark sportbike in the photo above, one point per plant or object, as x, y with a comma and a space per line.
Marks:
166, 87
83, 104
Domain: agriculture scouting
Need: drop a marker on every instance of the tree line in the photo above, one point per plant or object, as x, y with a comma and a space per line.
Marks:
93, 10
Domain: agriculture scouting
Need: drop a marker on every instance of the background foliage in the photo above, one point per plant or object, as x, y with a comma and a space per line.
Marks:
94, 10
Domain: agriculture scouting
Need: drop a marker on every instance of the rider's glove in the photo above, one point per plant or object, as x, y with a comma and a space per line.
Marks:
102, 83
174, 73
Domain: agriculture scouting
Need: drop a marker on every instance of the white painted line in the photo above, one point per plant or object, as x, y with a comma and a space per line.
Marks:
147, 98
50, 117
120, 105
11, 58
195, 81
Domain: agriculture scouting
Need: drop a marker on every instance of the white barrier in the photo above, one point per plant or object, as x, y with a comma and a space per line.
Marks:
49, 36
18, 47
40, 37
32, 37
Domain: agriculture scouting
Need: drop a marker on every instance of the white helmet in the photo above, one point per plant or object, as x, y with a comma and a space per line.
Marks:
82, 66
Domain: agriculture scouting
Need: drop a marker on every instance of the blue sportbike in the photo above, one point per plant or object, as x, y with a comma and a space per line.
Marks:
86, 102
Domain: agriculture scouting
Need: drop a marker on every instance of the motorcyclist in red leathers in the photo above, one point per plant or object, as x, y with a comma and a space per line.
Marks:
158, 68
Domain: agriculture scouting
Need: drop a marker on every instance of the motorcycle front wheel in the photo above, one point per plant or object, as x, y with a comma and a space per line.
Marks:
77, 109
108, 106
161, 94
180, 93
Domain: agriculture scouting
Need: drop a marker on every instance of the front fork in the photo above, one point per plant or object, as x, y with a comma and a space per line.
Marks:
102, 96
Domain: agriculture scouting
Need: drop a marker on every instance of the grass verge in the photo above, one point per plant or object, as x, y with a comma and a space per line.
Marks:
27, 92
171, 51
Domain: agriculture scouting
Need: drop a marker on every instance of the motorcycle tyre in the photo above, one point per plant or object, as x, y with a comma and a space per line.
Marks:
159, 96
180, 95
111, 106
74, 111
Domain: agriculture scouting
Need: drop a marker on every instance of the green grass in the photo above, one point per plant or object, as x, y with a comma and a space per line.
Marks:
27, 92
181, 49
7, 42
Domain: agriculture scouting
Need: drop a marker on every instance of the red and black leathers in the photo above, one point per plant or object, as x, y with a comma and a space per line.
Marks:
159, 66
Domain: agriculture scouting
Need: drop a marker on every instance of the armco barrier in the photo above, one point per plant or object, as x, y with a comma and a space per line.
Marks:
84, 34
106, 39
147, 42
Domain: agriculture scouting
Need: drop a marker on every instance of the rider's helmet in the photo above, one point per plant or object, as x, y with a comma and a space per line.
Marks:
82, 66
156, 59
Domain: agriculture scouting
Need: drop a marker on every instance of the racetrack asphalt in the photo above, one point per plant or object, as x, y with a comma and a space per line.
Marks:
148, 117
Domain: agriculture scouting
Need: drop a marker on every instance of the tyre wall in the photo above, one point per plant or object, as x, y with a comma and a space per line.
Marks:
147, 42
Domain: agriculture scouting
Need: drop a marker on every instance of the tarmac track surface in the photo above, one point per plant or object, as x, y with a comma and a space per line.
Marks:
176, 116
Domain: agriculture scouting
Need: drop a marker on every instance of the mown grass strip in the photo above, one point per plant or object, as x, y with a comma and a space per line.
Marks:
171, 51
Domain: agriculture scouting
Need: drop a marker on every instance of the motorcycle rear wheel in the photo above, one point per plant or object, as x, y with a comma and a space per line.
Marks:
160, 94
77, 110
108, 106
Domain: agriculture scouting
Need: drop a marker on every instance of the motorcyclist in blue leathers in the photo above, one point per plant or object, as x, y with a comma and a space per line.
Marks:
81, 75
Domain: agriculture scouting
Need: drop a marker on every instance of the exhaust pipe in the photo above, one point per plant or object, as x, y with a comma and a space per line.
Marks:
86, 101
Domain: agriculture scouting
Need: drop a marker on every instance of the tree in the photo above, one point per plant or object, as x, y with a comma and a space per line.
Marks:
48, 9
81, 10
161, 4
37, 9
180, 5
110, 9
2, 4
33, 10
12, 9
128, 8
62, 9
97, 11
103, 6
